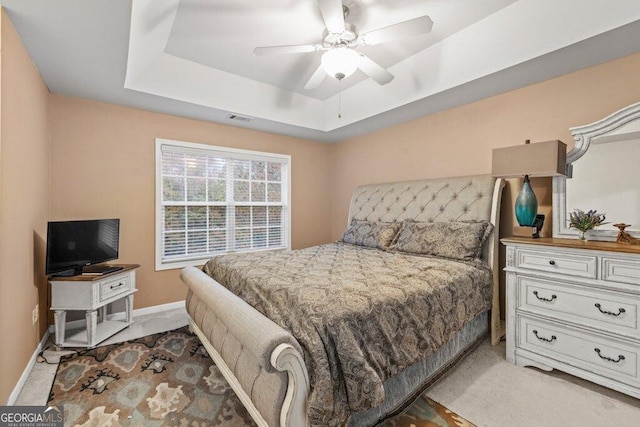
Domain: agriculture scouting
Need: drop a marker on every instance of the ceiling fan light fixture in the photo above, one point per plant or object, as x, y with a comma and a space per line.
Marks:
340, 62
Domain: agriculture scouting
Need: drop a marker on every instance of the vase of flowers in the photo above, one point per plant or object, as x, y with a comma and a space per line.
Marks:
585, 221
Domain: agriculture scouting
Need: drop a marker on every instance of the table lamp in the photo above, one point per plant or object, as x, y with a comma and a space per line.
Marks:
540, 159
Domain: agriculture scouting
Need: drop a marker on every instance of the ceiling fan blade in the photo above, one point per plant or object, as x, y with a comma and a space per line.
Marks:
277, 50
316, 79
375, 71
412, 27
333, 15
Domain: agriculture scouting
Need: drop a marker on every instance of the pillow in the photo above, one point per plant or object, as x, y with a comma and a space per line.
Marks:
456, 240
371, 234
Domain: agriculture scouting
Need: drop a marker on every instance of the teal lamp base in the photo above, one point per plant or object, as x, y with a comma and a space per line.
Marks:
526, 204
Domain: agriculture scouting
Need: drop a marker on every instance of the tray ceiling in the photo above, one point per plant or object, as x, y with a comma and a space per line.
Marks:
194, 58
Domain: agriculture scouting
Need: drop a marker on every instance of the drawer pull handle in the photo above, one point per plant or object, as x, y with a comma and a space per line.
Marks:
610, 313
553, 296
552, 262
620, 357
116, 286
553, 337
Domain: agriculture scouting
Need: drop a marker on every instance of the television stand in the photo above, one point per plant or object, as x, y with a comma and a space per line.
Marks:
92, 294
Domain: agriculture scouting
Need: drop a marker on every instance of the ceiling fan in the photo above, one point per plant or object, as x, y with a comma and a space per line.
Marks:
340, 40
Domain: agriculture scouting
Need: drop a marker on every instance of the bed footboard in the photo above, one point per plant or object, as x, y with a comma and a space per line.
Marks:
261, 361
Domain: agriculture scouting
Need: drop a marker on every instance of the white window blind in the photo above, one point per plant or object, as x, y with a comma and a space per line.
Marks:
215, 200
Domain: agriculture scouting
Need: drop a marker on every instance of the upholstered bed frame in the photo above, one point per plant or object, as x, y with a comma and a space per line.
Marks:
262, 361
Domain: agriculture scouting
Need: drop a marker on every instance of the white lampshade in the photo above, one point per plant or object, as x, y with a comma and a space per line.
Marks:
340, 62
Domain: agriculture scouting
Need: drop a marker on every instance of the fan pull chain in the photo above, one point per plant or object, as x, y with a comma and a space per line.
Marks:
339, 98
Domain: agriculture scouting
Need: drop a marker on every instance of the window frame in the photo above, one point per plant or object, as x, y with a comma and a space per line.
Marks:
241, 154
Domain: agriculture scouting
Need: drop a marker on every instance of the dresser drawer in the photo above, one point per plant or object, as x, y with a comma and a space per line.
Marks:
115, 287
605, 356
605, 310
620, 270
557, 262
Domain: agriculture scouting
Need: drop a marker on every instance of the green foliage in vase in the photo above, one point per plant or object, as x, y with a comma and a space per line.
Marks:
585, 221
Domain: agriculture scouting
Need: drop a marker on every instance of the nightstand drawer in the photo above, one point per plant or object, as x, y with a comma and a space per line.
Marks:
620, 270
591, 307
557, 262
605, 356
118, 286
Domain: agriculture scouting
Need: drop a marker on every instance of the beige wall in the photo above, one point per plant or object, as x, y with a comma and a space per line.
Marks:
24, 205
459, 141
103, 165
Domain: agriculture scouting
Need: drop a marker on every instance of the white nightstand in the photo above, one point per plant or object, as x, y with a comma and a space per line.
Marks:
92, 294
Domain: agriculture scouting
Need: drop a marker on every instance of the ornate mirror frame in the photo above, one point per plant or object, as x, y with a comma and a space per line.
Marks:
583, 135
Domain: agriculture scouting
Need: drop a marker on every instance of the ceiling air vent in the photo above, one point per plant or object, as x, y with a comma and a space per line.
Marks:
238, 118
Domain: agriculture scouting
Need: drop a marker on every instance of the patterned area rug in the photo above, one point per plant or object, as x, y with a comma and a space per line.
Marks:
425, 412
168, 379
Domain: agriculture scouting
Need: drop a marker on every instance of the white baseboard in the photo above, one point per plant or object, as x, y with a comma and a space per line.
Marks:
27, 370
152, 310
81, 323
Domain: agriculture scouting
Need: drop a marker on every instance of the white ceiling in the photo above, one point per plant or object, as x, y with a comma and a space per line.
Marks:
194, 58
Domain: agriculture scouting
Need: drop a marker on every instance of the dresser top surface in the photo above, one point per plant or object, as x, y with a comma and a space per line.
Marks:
574, 244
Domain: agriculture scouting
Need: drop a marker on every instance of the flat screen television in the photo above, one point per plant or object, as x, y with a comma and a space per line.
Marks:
72, 245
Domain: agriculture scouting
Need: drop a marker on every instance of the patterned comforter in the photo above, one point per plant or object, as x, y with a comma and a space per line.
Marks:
361, 315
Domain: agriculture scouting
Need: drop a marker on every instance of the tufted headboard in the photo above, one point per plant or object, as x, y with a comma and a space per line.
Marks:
466, 198
443, 199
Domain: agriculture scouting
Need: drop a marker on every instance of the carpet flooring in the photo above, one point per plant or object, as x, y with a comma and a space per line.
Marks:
168, 379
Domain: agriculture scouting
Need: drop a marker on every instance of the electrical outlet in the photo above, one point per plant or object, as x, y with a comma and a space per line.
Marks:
34, 314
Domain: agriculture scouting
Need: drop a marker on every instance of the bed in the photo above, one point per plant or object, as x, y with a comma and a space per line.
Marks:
349, 332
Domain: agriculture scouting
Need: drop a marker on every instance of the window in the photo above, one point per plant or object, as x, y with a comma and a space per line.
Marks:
215, 200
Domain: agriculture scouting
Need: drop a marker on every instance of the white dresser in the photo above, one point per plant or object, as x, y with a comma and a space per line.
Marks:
575, 306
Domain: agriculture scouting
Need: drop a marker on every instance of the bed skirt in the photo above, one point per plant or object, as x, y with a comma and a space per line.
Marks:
403, 388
